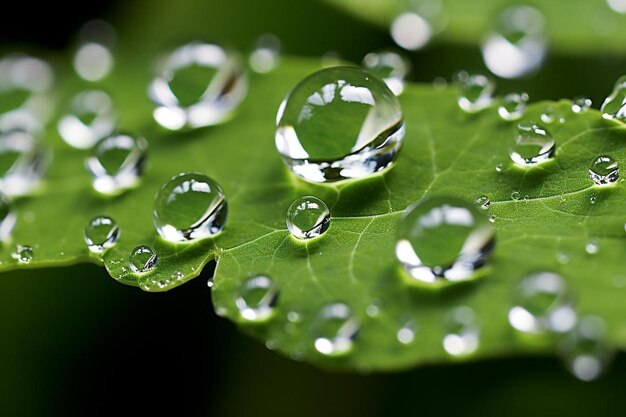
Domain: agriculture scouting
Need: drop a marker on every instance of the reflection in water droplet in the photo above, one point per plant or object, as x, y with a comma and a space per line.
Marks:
101, 233
8, 218
517, 45
581, 104
335, 330
142, 259
339, 123
23, 254
462, 333
513, 106
444, 239
257, 298
483, 202
532, 145
266, 53
91, 118
22, 163
308, 217
189, 207
542, 304
614, 106
604, 170
116, 163
476, 92
585, 350
411, 31
389, 66
199, 85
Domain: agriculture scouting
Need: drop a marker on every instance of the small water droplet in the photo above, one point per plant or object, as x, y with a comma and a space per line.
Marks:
406, 333
499, 167
476, 92
199, 84
308, 217
8, 218
593, 199
23, 254
23, 162
444, 239
373, 310
483, 202
592, 247
515, 195
190, 206
532, 145
93, 61
411, 31
492, 218
585, 350
389, 66
548, 115
542, 305
142, 259
462, 333
614, 106
257, 298
335, 329
366, 120
581, 104
562, 258
116, 163
91, 117
294, 317
266, 54
513, 106
178, 276
101, 233
440, 83
604, 170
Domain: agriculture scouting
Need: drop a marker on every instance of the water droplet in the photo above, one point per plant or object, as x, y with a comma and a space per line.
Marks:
406, 333
585, 350
499, 167
581, 104
542, 305
483, 202
614, 106
8, 218
335, 330
265, 56
339, 123
492, 218
462, 334
444, 239
116, 163
562, 258
618, 6
411, 31
517, 45
440, 83
592, 247
389, 66
515, 195
142, 259
476, 92
23, 254
257, 298
513, 106
294, 317
23, 160
199, 84
604, 170
93, 61
532, 145
593, 199
189, 207
548, 115
90, 119
101, 233
373, 309
308, 217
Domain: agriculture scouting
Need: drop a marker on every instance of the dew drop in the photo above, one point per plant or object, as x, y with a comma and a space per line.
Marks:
142, 259
93, 61
444, 239
199, 84
373, 309
515, 195
462, 333
593, 199
90, 119
339, 123
542, 305
581, 104
548, 115
23, 161
411, 31
592, 247
257, 298
406, 333
308, 217
562, 258
266, 54
294, 317
23, 254
389, 66
440, 83
116, 163
483, 202
335, 329
492, 218
476, 92
499, 167
513, 106
8, 218
532, 145
614, 106
604, 170
188, 207
101, 233
585, 350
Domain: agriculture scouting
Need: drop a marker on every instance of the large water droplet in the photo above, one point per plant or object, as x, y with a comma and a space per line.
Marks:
199, 84
389, 66
476, 92
23, 254
8, 218
339, 123
614, 106
513, 106
542, 304
604, 170
101, 233
585, 350
257, 298
116, 163
532, 145
91, 118
189, 207
462, 333
517, 45
444, 239
142, 259
308, 217
22, 163
266, 53
335, 329
581, 104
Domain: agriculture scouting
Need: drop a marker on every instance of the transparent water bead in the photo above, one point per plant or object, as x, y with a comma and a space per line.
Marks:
462, 332
542, 305
581, 104
585, 350
199, 84
532, 145
483, 202
389, 66
101, 233
604, 170
142, 259
339, 123
513, 106
476, 92
23, 162
444, 239
116, 163
257, 298
90, 119
517, 45
308, 217
23, 254
614, 106
266, 54
8, 218
335, 329
188, 207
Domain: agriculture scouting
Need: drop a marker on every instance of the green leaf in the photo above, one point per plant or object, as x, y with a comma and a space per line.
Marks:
574, 26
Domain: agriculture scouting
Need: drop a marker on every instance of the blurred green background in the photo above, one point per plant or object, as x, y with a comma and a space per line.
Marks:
74, 342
